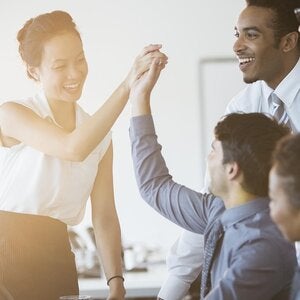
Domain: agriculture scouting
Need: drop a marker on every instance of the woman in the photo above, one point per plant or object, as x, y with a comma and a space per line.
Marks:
53, 157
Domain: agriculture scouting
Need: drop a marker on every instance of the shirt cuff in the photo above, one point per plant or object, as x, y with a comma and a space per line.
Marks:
173, 289
141, 125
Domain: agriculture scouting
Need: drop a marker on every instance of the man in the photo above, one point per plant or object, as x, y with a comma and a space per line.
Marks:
251, 260
284, 191
267, 48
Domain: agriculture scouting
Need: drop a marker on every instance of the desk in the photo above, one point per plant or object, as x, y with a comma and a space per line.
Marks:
137, 284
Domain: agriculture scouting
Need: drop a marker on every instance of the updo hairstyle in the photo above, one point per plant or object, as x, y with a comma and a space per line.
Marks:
38, 30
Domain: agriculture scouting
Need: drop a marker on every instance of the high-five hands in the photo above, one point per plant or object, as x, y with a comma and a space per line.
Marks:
150, 59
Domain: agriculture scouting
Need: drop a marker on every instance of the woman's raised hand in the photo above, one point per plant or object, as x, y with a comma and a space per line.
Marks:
143, 62
144, 84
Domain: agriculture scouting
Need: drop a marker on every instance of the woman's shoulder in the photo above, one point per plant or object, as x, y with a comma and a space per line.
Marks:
30, 103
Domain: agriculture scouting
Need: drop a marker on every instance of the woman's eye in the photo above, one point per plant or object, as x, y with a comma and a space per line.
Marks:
58, 67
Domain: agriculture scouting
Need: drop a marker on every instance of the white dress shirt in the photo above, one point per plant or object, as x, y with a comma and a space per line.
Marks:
36, 183
185, 256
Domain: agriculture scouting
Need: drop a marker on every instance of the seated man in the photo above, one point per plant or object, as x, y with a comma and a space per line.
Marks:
284, 190
246, 257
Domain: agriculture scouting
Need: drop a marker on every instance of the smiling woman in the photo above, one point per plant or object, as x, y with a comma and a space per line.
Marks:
53, 157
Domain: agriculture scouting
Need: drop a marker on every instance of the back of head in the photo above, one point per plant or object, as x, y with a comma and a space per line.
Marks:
249, 140
38, 30
286, 159
285, 20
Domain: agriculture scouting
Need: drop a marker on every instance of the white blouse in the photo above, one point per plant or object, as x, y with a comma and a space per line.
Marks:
35, 183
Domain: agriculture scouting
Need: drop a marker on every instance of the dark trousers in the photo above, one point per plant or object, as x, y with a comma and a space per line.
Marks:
36, 261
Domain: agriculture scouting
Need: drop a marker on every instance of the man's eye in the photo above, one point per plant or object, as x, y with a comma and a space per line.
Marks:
252, 35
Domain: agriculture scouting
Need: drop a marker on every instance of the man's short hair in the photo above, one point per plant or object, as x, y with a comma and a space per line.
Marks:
286, 159
285, 20
249, 140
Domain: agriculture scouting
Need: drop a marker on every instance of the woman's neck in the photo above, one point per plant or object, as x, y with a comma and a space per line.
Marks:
64, 114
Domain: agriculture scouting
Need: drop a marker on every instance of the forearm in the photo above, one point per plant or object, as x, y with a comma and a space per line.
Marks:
106, 225
89, 134
184, 262
109, 245
183, 206
140, 105
108, 237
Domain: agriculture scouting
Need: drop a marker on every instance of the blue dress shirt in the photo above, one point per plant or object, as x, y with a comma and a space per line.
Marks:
254, 261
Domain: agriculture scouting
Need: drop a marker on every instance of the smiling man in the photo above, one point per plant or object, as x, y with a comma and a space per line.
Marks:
267, 49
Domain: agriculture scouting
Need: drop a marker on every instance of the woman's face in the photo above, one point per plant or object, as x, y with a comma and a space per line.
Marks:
283, 213
63, 68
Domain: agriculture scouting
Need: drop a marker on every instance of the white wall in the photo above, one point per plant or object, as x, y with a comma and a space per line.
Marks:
114, 31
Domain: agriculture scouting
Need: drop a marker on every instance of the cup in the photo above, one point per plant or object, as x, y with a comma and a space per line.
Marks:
75, 297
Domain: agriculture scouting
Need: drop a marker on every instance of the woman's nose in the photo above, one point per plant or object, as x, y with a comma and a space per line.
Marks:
73, 72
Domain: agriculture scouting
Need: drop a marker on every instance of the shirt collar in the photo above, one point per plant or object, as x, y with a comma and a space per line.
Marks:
288, 88
46, 111
236, 214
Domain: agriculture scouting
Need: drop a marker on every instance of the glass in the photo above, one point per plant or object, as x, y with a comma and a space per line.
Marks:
76, 297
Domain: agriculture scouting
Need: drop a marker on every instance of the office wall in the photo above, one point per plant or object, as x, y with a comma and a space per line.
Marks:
114, 31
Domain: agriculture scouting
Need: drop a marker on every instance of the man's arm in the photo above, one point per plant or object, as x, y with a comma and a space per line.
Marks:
140, 99
183, 261
184, 264
181, 205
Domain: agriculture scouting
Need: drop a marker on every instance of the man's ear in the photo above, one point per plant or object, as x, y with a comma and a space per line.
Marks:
33, 73
232, 170
289, 41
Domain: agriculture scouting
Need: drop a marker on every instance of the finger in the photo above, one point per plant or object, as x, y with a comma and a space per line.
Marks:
154, 55
143, 64
150, 48
155, 68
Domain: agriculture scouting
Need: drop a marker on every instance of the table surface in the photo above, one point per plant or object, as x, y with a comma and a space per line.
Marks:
137, 284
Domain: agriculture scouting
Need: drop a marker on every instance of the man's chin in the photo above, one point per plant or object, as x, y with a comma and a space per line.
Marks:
249, 79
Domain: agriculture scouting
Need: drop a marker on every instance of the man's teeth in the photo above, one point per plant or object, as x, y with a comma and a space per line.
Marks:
246, 60
71, 86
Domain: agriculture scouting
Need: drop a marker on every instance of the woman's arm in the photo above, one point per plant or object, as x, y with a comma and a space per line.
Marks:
22, 124
106, 226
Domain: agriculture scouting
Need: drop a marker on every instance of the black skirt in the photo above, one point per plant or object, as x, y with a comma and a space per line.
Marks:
36, 261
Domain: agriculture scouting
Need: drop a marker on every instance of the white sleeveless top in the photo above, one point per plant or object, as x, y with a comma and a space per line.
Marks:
35, 183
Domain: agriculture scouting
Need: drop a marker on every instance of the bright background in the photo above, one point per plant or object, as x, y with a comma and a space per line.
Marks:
113, 33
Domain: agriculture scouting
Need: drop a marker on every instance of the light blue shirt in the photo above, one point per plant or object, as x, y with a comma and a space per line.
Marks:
255, 97
254, 262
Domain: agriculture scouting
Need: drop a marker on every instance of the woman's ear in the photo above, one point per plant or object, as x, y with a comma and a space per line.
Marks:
33, 73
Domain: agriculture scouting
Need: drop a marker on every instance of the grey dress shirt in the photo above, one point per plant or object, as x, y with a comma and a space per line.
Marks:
254, 261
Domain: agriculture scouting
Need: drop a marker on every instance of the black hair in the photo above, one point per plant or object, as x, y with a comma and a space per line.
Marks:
284, 20
249, 140
286, 159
